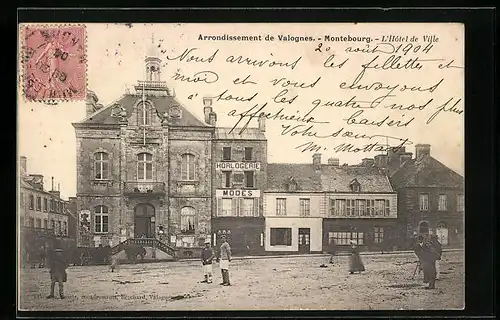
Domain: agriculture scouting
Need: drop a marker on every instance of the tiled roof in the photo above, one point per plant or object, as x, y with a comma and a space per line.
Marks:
160, 103
25, 183
328, 179
279, 174
426, 172
338, 179
247, 134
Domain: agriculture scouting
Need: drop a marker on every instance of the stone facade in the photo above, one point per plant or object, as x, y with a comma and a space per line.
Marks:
239, 180
143, 169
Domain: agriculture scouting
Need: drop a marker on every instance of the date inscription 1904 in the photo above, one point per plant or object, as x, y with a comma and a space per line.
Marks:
54, 63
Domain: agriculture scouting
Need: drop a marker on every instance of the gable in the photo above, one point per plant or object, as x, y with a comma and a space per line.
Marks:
179, 115
426, 172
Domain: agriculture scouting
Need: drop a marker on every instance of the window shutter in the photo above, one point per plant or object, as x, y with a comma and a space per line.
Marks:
256, 207
241, 205
219, 207
235, 207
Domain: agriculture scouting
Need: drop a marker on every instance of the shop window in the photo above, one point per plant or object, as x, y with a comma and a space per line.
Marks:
281, 236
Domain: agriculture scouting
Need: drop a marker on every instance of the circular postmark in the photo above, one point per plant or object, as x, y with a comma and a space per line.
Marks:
54, 61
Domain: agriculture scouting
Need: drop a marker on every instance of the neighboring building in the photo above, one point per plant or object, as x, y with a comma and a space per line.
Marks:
41, 209
361, 205
293, 208
239, 179
308, 205
144, 167
43, 217
431, 197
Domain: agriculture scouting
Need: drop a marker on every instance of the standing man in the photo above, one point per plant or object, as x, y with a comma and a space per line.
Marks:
332, 249
439, 250
427, 256
207, 256
225, 258
57, 272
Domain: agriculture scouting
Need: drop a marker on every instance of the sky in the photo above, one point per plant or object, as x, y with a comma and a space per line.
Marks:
115, 61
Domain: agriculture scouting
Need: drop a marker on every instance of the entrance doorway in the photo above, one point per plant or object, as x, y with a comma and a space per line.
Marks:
144, 221
304, 240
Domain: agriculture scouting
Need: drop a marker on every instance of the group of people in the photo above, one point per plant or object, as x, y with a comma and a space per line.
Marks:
207, 257
427, 248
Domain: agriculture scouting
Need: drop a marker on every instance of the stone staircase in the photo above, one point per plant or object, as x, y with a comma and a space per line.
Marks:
145, 242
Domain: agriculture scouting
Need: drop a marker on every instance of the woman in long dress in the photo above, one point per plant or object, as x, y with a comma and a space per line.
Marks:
355, 263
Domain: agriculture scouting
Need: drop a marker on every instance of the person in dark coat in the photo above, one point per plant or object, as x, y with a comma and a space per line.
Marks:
439, 250
57, 265
332, 249
427, 255
355, 263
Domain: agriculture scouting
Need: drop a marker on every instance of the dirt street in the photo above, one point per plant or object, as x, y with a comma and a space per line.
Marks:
270, 283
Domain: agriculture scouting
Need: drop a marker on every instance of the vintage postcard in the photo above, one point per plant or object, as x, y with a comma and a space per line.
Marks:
266, 166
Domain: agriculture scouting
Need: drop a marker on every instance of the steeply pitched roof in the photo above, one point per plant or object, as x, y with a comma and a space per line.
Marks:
247, 134
26, 184
328, 179
426, 172
160, 103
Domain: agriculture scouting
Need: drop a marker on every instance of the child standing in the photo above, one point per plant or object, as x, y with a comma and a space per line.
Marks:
207, 256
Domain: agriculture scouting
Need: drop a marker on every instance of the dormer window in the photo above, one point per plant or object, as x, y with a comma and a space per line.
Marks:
144, 114
355, 186
292, 184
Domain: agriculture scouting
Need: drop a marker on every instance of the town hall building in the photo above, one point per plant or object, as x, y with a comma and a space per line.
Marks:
151, 173
144, 167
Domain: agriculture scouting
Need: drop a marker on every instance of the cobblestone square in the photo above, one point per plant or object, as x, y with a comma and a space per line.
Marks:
285, 283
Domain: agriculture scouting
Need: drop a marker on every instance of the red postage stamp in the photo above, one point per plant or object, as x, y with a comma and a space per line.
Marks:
54, 60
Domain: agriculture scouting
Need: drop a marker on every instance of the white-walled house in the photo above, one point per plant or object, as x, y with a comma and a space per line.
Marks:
293, 208
308, 206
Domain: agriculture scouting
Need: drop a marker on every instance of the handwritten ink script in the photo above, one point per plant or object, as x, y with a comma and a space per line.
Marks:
363, 91
54, 63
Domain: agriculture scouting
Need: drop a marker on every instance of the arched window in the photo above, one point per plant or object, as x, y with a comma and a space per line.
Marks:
101, 165
144, 166
101, 219
187, 166
144, 114
187, 219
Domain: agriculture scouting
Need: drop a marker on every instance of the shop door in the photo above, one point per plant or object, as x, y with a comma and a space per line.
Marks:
304, 240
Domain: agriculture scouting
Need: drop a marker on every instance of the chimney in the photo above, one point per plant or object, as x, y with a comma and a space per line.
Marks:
422, 150
262, 124
405, 157
207, 109
334, 161
52, 188
212, 118
381, 160
367, 162
317, 159
58, 187
91, 103
22, 164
